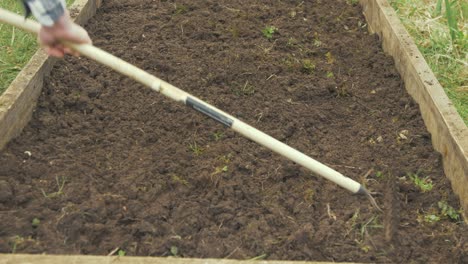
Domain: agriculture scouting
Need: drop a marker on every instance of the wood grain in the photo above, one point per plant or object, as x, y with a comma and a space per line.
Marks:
449, 132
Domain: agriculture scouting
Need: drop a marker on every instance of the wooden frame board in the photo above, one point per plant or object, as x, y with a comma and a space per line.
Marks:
60, 259
449, 133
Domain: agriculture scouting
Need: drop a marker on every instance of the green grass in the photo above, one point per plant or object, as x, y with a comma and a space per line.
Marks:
441, 35
16, 46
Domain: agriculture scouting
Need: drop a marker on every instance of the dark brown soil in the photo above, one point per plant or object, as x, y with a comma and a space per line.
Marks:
106, 163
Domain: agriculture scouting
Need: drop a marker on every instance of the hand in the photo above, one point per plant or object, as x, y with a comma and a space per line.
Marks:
63, 30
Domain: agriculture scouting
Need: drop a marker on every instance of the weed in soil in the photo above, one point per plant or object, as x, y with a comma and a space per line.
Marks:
60, 184
269, 31
308, 66
423, 183
448, 211
35, 222
195, 148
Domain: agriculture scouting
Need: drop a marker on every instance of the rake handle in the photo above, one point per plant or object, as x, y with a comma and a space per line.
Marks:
181, 96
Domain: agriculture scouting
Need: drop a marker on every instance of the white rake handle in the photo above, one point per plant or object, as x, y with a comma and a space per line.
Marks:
179, 95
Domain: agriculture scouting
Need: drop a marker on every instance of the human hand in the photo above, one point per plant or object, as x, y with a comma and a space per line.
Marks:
64, 29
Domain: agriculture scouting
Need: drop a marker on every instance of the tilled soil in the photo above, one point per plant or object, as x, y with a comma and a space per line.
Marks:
106, 163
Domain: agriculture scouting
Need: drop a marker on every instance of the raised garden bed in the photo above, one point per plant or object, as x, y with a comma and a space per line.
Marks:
106, 163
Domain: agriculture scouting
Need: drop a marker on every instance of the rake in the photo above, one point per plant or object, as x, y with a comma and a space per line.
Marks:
193, 102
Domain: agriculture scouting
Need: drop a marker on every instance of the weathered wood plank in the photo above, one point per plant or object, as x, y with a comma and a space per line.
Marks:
449, 132
56, 259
